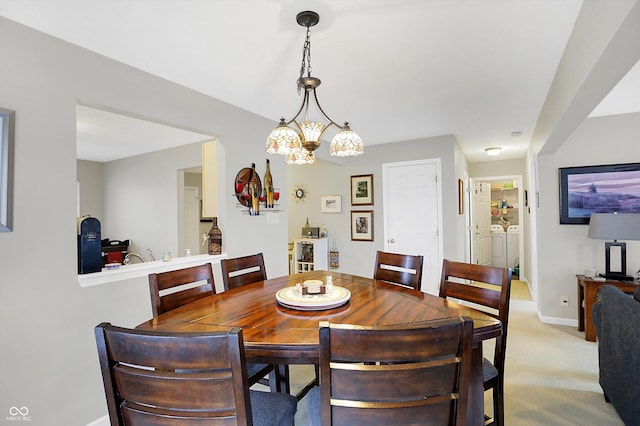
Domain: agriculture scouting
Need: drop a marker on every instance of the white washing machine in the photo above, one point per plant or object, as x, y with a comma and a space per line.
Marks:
513, 245
498, 246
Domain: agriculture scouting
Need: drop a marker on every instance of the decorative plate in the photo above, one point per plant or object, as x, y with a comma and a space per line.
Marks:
290, 297
241, 185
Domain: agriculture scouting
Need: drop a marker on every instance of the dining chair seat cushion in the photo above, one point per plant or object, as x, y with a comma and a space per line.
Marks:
254, 367
314, 409
272, 408
488, 370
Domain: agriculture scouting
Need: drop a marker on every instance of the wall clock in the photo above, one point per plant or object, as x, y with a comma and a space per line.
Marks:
299, 193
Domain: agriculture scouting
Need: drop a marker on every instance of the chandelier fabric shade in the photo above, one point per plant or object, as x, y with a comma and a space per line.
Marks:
300, 157
283, 140
298, 139
346, 143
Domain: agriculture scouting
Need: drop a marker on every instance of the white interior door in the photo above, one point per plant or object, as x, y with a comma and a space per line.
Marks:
412, 215
481, 223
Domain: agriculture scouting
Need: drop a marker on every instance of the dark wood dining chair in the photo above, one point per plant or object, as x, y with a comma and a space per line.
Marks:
393, 375
239, 271
172, 289
162, 378
403, 269
489, 289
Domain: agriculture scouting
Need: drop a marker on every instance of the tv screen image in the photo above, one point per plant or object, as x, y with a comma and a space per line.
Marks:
598, 189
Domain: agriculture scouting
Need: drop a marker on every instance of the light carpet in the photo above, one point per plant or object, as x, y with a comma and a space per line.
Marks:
551, 375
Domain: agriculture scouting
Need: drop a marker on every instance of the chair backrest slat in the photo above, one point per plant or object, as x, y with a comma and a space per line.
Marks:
243, 270
395, 375
169, 378
400, 269
172, 289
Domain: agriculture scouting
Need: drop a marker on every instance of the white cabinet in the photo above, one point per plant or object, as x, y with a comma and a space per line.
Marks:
310, 254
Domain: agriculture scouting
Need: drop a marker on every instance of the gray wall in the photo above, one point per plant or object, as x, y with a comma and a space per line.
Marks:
565, 250
90, 184
141, 198
324, 178
49, 360
498, 168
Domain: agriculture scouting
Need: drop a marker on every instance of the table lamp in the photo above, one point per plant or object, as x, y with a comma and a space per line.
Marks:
622, 226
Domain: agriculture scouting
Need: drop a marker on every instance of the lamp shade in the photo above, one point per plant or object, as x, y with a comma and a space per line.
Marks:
282, 140
346, 143
621, 226
300, 156
312, 130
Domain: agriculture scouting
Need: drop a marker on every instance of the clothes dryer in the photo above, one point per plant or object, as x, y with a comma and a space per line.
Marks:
498, 246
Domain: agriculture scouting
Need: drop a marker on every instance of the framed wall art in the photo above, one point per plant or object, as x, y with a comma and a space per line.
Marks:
362, 190
598, 189
362, 225
331, 203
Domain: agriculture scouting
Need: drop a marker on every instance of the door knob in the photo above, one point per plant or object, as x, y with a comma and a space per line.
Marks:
392, 241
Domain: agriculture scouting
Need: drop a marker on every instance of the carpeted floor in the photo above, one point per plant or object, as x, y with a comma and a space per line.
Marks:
551, 372
551, 375
520, 290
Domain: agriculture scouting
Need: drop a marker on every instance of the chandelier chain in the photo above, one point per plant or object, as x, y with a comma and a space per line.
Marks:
306, 57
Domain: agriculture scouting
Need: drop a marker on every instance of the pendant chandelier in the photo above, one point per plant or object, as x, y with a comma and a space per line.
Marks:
297, 139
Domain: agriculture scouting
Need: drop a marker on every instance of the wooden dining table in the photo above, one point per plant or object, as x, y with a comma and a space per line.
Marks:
276, 334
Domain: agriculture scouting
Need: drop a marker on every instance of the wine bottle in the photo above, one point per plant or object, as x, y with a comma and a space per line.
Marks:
268, 188
254, 192
215, 237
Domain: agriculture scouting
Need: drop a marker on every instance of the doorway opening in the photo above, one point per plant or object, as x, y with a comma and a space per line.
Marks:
496, 222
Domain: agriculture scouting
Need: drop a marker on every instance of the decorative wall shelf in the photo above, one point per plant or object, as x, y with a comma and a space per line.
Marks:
263, 209
136, 270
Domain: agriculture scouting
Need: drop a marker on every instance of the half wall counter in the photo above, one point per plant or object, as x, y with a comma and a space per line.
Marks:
135, 270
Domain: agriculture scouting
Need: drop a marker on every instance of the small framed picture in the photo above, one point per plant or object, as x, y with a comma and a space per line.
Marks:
362, 225
331, 204
362, 190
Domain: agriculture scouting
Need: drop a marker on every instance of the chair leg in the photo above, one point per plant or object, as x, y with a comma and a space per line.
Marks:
498, 404
279, 379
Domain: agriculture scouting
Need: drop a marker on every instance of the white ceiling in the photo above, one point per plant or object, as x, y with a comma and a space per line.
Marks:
105, 136
396, 70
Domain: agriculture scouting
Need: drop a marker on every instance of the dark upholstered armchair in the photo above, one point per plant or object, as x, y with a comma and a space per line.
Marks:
617, 319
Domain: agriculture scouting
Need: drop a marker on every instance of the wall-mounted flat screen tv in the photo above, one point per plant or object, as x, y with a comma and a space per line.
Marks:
598, 189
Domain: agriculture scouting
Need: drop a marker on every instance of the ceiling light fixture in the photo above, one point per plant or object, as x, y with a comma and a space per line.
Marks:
493, 151
298, 143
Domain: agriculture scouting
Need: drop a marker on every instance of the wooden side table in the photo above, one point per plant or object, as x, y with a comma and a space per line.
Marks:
587, 293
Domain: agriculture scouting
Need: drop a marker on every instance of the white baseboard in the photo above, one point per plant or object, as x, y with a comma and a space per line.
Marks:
102, 421
558, 321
